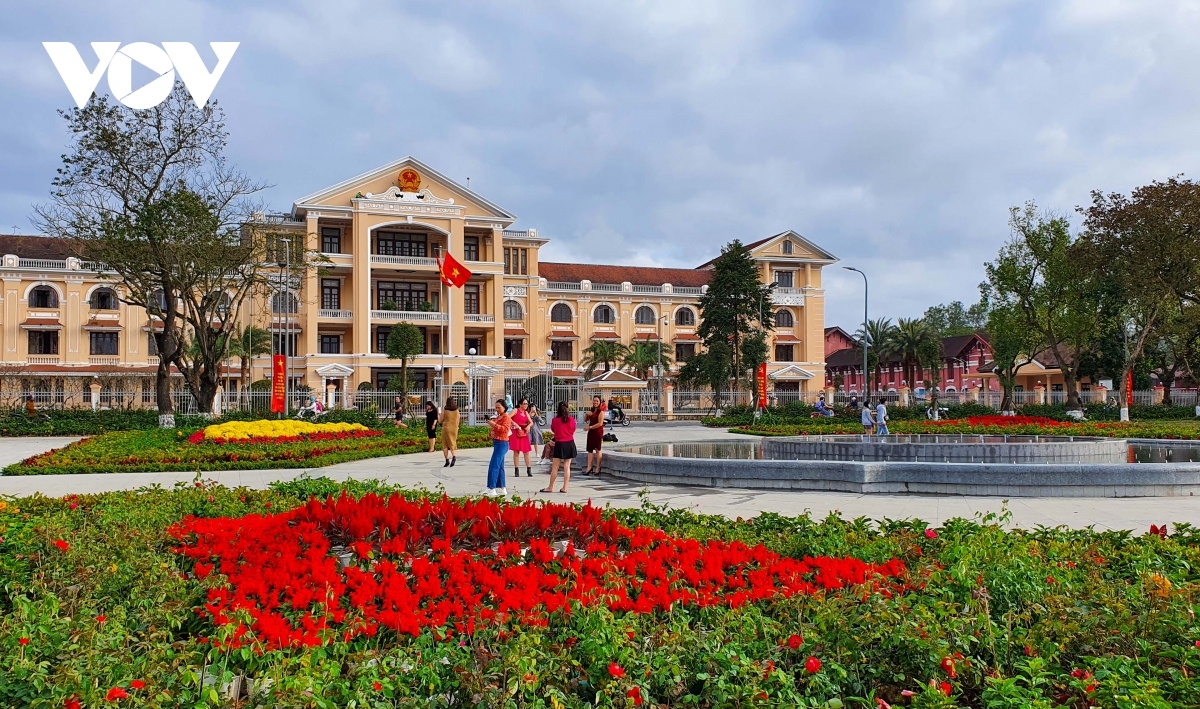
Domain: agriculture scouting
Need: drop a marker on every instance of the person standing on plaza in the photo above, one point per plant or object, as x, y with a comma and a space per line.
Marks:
431, 422
868, 422
501, 426
521, 441
595, 435
562, 429
449, 423
881, 417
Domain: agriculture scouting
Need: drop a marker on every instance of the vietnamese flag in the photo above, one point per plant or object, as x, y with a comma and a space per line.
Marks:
452, 272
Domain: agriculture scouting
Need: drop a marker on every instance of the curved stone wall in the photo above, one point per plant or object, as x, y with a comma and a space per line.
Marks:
949, 449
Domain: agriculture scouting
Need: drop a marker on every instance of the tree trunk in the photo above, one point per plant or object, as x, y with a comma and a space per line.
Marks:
1167, 381
167, 349
245, 392
1072, 391
404, 386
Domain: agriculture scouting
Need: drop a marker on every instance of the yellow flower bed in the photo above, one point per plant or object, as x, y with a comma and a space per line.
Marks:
245, 430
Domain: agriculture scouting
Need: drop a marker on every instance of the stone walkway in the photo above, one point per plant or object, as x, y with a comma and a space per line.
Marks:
468, 478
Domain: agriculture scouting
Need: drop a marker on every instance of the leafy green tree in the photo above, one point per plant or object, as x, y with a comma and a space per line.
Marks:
1013, 346
642, 357
601, 353
910, 339
880, 338
755, 351
736, 304
404, 343
955, 319
1039, 274
248, 343
929, 361
711, 368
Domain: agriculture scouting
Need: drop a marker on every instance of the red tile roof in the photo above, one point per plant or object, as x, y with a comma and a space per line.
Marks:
515, 332
645, 337
637, 275
42, 247
786, 338
687, 337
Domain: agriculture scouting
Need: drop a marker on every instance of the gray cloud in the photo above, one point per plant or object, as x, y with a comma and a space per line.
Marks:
896, 135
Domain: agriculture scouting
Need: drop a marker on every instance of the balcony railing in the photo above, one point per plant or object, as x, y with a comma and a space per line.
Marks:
607, 287
563, 285
105, 360
43, 263
383, 260
407, 315
43, 359
687, 290
479, 317
336, 314
787, 296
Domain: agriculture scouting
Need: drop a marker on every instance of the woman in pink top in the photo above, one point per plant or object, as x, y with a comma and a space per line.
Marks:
563, 429
520, 442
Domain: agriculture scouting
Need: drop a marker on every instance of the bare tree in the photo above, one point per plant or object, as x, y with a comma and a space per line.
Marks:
148, 194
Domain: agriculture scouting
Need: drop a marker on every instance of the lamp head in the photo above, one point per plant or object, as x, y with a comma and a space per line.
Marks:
471, 351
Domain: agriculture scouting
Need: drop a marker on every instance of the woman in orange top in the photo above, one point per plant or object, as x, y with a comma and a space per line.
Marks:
501, 427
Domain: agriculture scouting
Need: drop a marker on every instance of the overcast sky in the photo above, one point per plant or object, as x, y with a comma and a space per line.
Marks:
895, 135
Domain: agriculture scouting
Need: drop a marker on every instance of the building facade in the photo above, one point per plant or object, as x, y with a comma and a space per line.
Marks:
379, 236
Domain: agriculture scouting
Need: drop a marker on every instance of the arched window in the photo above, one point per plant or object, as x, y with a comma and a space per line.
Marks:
644, 315
284, 303
104, 299
783, 318
560, 313
43, 297
513, 311
604, 315
787, 246
685, 317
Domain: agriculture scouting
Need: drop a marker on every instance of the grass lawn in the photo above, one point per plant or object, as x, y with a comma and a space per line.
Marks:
104, 597
169, 450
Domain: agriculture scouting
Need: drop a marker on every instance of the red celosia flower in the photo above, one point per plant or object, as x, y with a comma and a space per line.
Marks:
73, 505
946, 688
812, 665
795, 641
930, 534
137, 684
23, 641
116, 693
1029, 651
948, 667
376, 686
101, 618
635, 694
616, 670
72, 702
630, 634
1198, 643
62, 546
1076, 673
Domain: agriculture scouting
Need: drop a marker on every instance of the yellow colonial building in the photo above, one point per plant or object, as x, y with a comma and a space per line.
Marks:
380, 235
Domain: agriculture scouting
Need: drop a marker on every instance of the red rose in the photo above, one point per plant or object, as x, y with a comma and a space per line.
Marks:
795, 642
616, 670
812, 665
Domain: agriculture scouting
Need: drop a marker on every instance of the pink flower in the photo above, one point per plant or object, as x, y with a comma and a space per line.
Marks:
906, 692
930, 534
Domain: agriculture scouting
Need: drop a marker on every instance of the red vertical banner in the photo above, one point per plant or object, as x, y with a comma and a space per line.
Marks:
278, 383
1129, 388
762, 385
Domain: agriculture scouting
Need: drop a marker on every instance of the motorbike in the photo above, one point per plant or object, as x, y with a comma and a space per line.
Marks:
616, 416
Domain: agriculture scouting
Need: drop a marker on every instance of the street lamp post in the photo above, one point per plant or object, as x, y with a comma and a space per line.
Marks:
549, 379
471, 384
438, 396
866, 322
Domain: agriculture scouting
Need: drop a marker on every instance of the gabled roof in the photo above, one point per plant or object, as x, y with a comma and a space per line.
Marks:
953, 346
37, 247
407, 161
637, 275
616, 376
791, 372
821, 254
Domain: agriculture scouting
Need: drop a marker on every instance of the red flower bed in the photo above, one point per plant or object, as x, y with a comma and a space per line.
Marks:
996, 420
414, 565
198, 438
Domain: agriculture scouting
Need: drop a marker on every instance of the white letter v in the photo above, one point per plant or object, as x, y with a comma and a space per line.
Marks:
80, 82
199, 82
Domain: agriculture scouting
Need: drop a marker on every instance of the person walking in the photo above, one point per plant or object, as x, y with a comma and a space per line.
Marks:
881, 417
562, 428
449, 423
501, 426
398, 413
595, 435
521, 441
431, 422
868, 421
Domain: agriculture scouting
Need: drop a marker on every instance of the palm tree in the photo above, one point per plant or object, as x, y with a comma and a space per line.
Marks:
910, 338
246, 345
601, 352
879, 336
642, 357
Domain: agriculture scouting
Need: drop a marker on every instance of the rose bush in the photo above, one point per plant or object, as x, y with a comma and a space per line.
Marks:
167, 450
987, 616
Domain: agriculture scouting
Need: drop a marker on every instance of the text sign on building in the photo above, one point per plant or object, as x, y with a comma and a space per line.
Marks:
164, 61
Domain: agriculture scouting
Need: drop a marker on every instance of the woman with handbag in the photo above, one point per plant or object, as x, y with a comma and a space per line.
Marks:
563, 429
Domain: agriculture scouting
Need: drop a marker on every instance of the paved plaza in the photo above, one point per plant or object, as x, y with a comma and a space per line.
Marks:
468, 476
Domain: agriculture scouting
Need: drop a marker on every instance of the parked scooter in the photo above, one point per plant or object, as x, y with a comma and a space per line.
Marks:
615, 415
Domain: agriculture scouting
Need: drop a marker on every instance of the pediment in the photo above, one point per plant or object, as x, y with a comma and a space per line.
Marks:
791, 372
390, 183
802, 248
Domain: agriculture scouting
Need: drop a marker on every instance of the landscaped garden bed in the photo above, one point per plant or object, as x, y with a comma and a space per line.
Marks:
990, 425
236, 445
204, 595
